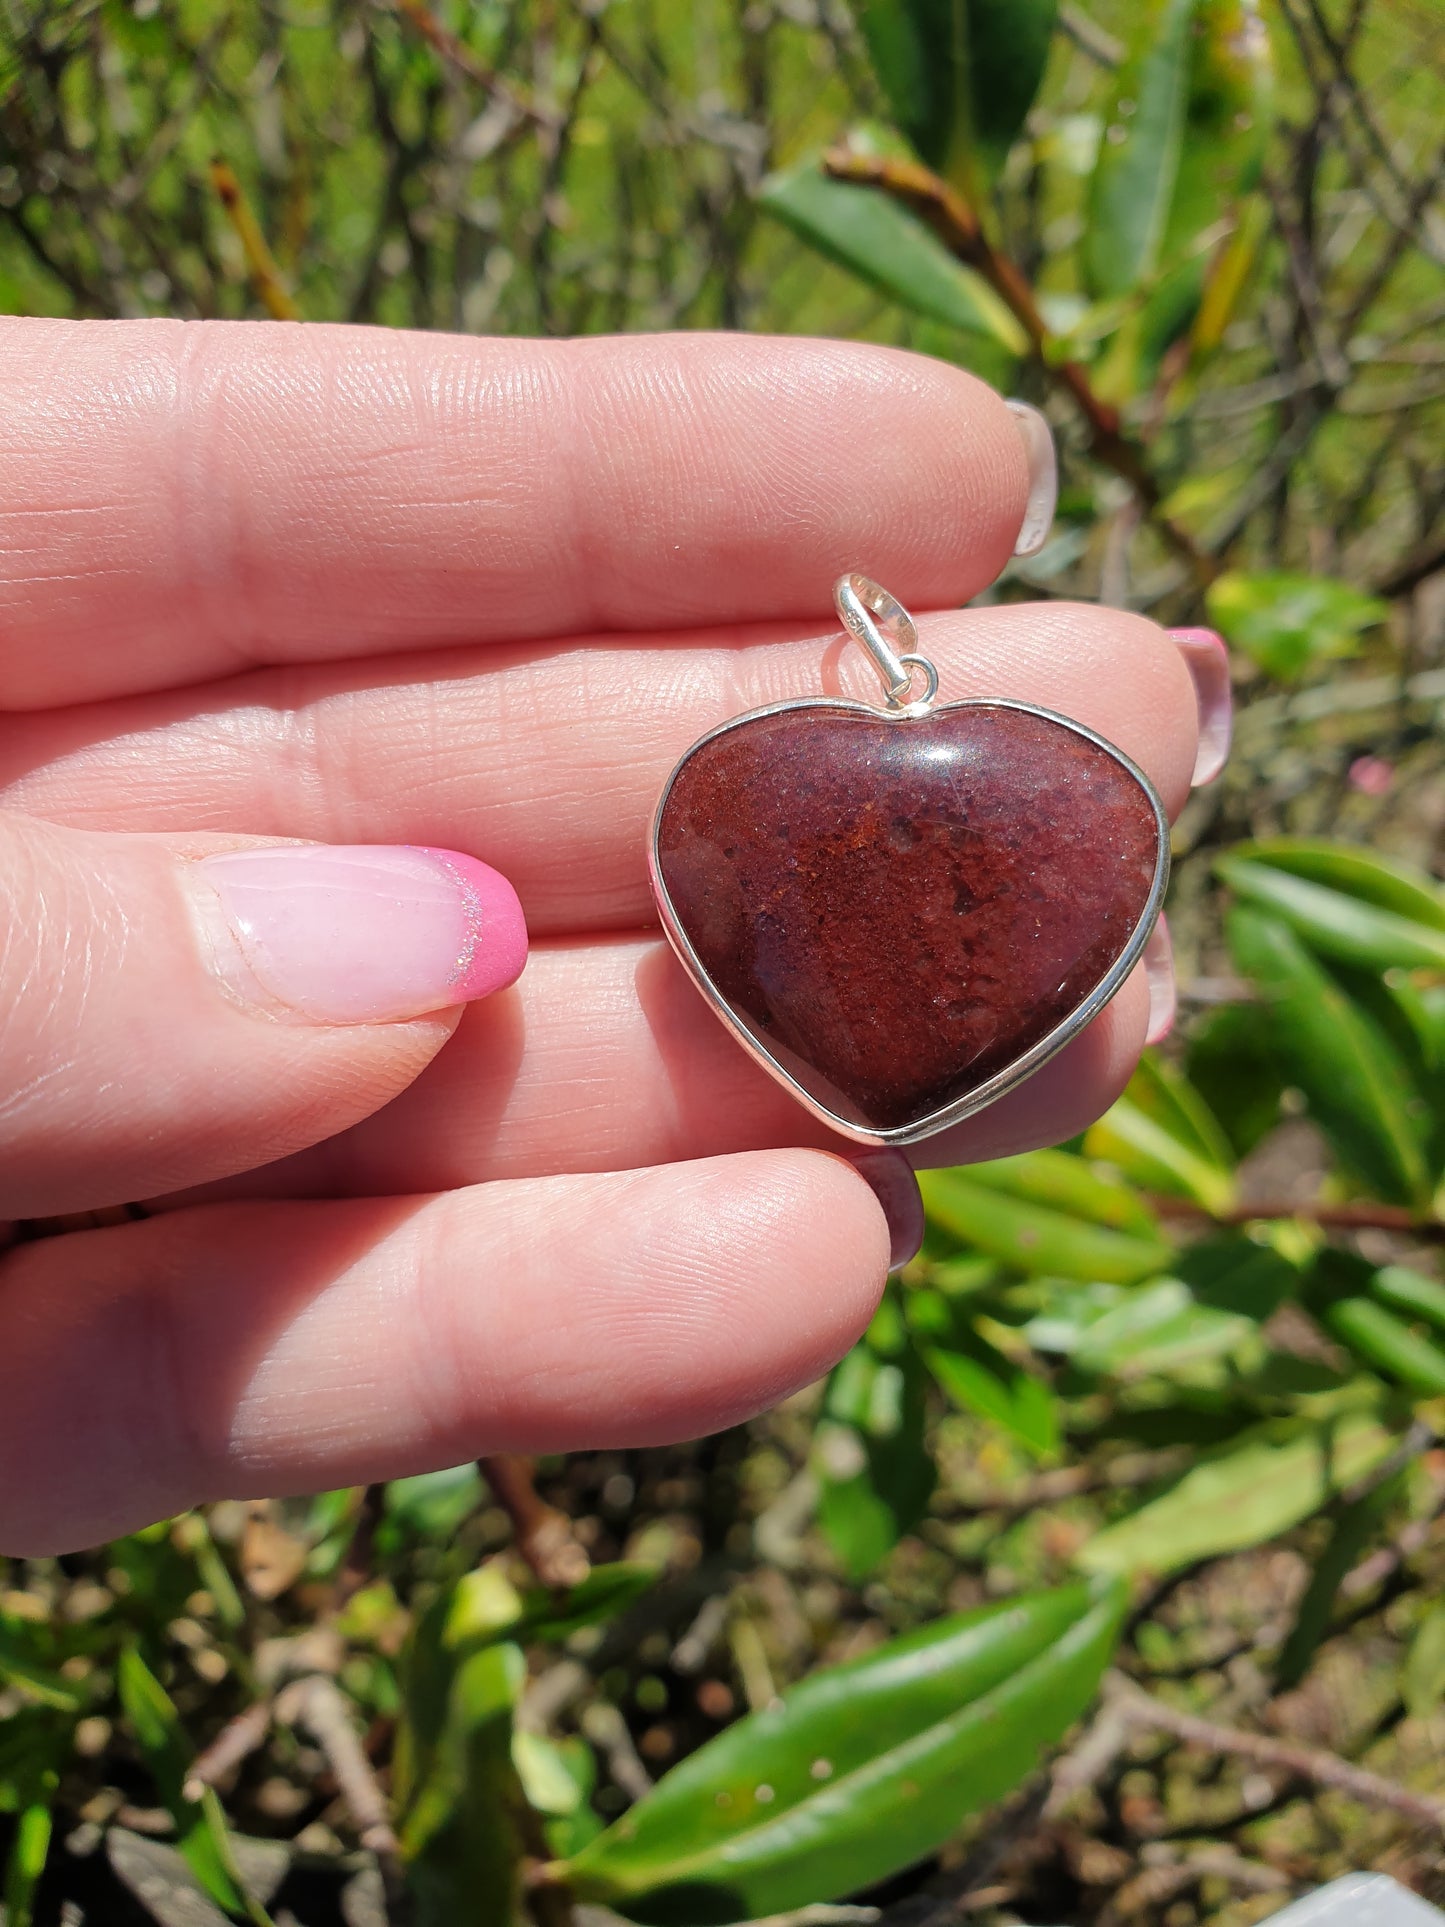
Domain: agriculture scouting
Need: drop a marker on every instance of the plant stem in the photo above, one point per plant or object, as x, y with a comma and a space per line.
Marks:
1329, 1217
957, 226
544, 1535
265, 273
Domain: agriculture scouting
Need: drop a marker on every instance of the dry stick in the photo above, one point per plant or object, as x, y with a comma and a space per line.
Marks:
1303, 1762
237, 1740
1156, 1885
957, 226
317, 1703
259, 259
544, 1535
1385, 1561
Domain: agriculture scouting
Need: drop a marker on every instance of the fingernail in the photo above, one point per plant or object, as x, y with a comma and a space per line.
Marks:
358, 933
1159, 975
890, 1177
1038, 439
1207, 661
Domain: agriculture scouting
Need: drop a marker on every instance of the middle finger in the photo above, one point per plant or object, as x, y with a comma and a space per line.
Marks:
546, 760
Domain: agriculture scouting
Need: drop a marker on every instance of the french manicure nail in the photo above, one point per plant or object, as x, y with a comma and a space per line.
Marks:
1207, 661
1159, 974
1038, 440
890, 1177
357, 933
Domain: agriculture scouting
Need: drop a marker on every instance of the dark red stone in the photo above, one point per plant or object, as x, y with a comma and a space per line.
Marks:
898, 910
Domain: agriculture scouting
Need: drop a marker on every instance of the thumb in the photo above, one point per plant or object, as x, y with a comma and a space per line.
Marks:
179, 1009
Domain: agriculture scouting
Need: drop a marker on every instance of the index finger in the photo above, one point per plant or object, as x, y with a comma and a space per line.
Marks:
183, 499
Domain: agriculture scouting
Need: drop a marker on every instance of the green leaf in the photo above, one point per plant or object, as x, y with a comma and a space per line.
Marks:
1070, 1184
1350, 1533
1268, 1479
33, 1747
1134, 177
1235, 1068
558, 1777
432, 1505
1335, 924
1158, 1329
884, 244
1223, 1291
1228, 117
1286, 623
1409, 1293
861, 1770
979, 1379
28, 1854
602, 1595
874, 1469
1423, 1684
458, 1831
1227, 122
202, 1835
1386, 1344
1398, 887
25, 1661
1035, 1238
960, 75
1162, 1134
1356, 1087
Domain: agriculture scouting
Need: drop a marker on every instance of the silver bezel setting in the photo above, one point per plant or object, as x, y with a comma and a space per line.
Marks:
1023, 1067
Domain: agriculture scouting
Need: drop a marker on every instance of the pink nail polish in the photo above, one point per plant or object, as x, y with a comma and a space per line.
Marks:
1207, 661
890, 1177
1159, 975
358, 933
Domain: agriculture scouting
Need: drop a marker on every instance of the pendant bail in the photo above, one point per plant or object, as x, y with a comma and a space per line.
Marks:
878, 622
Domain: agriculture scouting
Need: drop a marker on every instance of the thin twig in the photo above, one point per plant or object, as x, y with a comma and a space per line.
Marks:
237, 1740
319, 1705
265, 273
1302, 1762
1385, 1561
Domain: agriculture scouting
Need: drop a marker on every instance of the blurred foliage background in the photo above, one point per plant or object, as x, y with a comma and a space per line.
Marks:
1161, 1413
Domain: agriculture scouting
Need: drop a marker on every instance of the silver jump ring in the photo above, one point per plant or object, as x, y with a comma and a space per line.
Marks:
878, 623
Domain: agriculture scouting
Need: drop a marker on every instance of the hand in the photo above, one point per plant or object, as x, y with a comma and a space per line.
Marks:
408, 594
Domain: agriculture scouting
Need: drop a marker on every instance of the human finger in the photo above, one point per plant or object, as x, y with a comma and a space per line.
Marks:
232, 1349
179, 500
548, 761
174, 1010
605, 1058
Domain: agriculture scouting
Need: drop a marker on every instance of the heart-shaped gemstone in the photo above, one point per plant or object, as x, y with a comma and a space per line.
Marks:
904, 914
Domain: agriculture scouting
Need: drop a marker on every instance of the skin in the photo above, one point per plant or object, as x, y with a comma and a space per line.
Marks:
337, 585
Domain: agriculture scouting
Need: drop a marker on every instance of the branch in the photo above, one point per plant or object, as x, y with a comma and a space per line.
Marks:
544, 1535
318, 1704
1330, 1217
237, 1740
957, 226
265, 274
456, 53
1428, 559
1302, 1762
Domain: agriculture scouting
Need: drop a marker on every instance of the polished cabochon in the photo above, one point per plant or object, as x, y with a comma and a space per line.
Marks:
904, 912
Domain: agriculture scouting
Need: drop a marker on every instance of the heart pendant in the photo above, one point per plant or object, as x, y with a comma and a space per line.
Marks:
904, 912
